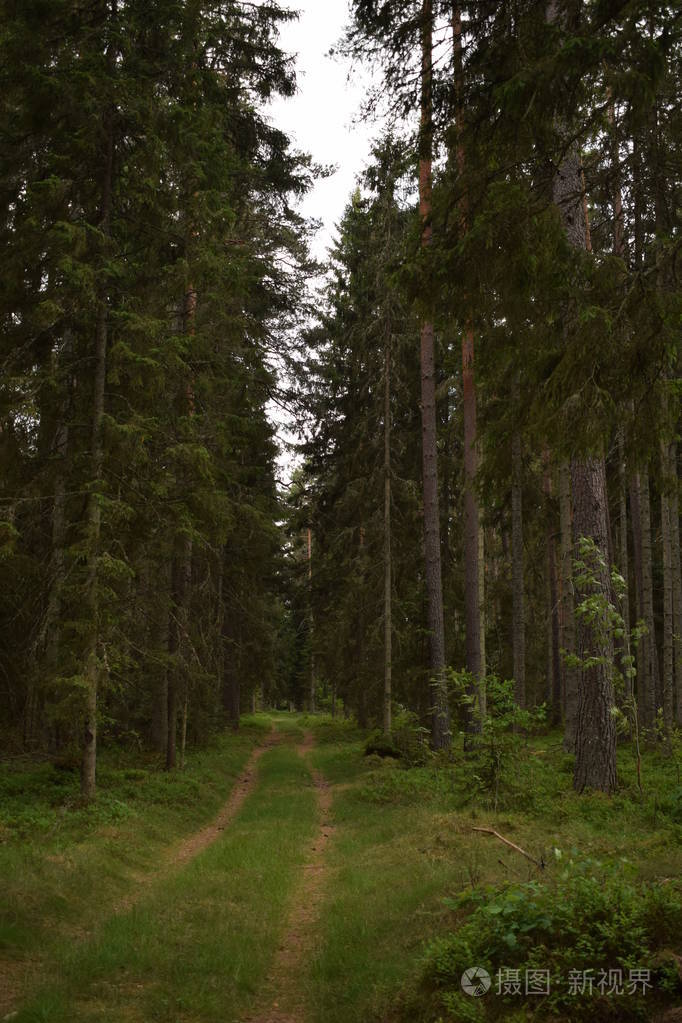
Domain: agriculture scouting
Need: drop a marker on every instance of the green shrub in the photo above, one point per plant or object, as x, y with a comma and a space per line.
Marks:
380, 746
592, 917
671, 805
495, 751
410, 738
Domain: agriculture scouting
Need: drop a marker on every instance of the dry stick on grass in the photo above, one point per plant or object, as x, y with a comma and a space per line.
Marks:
508, 866
489, 831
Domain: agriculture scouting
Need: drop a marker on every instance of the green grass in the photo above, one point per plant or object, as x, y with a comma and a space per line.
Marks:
199, 947
405, 848
64, 865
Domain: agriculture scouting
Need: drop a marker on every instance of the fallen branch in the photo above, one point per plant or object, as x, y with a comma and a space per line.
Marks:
489, 831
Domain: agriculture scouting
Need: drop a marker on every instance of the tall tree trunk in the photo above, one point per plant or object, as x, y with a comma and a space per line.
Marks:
595, 748
482, 612
158, 595
177, 633
677, 578
554, 657
619, 252
183, 728
595, 745
46, 648
93, 514
178, 686
229, 660
235, 689
311, 681
651, 701
473, 596
570, 674
362, 674
518, 590
643, 684
623, 564
440, 717
388, 620
668, 613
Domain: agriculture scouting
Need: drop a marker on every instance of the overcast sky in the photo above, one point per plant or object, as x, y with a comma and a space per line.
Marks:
319, 118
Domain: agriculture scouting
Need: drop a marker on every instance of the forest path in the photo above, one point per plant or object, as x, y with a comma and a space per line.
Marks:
243, 893
18, 976
190, 847
284, 1001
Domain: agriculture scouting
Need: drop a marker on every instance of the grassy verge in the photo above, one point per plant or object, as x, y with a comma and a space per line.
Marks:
413, 891
199, 947
64, 866
405, 852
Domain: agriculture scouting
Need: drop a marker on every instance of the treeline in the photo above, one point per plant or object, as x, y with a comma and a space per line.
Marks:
492, 385
152, 269
469, 492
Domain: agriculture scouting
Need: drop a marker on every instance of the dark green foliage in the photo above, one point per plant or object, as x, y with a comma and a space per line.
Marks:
377, 745
574, 347
344, 498
198, 265
499, 745
592, 916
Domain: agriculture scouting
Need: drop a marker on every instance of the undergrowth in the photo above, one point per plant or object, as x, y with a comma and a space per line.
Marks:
42, 799
595, 945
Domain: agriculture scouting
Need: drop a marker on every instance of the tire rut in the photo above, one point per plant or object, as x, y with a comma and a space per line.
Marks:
284, 1002
16, 975
189, 848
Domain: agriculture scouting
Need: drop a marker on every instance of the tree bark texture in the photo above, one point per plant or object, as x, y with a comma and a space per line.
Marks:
311, 681
623, 563
648, 641
667, 684
636, 523
388, 620
157, 668
518, 589
570, 674
595, 745
473, 596
554, 657
440, 718
93, 513
177, 638
677, 578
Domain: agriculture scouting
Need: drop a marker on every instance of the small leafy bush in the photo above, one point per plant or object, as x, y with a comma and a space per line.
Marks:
592, 917
378, 745
495, 750
410, 738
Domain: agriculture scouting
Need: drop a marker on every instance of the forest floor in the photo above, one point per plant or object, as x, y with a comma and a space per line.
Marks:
284, 877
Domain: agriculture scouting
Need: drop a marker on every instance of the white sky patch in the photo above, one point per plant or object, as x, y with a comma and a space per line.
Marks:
319, 118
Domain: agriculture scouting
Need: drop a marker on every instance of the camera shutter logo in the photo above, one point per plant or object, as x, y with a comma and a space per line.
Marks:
476, 981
